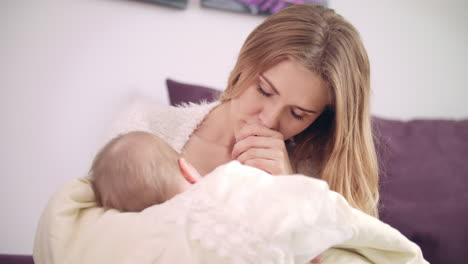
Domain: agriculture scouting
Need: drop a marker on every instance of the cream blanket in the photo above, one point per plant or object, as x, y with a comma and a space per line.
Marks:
236, 214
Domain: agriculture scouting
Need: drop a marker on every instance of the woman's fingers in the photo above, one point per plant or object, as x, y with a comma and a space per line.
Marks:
259, 153
257, 130
274, 166
263, 164
271, 161
268, 154
258, 142
262, 148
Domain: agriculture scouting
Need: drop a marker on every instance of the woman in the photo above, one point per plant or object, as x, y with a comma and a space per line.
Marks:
302, 76
296, 100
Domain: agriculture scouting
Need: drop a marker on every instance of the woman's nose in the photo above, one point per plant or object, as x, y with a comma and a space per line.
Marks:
270, 118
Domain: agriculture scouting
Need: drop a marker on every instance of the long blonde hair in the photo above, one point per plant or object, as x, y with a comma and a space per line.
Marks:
339, 143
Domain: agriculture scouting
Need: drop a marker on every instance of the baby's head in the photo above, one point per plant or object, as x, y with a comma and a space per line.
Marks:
138, 169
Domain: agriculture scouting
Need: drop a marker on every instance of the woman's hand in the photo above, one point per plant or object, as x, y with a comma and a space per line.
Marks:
262, 148
316, 260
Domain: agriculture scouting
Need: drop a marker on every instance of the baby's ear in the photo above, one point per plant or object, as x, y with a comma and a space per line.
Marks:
188, 171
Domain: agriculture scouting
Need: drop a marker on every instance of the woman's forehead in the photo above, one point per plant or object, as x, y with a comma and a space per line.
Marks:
297, 84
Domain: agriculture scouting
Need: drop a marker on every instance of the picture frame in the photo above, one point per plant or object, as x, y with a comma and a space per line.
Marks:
257, 7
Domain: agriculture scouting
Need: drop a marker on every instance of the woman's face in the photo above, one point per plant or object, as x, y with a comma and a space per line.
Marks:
286, 98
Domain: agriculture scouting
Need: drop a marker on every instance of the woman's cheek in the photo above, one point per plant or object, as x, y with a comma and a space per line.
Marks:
293, 129
250, 102
286, 130
287, 135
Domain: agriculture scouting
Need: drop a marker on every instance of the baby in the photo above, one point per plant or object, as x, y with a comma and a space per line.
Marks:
235, 214
138, 169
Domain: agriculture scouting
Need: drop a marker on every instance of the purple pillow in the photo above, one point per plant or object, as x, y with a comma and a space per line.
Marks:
184, 93
16, 259
424, 184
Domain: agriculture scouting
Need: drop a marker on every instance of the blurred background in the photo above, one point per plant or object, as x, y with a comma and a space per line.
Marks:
67, 67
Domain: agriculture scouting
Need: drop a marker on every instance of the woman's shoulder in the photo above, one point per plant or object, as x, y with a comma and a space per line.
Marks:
177, 123
174, 124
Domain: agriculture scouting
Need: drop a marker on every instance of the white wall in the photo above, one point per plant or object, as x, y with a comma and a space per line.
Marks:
418, 52
67, 66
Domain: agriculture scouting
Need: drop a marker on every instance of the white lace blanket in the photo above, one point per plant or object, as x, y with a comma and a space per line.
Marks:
236, 214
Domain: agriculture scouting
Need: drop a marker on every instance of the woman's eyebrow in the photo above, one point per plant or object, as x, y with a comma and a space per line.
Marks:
269, 83
276, 91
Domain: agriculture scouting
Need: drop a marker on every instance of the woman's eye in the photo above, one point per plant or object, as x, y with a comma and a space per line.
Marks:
296, 116
261, 91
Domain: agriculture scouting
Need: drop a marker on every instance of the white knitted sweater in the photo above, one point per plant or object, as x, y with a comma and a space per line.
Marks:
173, 124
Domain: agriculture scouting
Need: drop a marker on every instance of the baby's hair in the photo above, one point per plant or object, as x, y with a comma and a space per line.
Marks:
134, 171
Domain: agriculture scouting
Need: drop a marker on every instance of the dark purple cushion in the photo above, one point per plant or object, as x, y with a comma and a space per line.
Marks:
424, 184
183, 93
16, 259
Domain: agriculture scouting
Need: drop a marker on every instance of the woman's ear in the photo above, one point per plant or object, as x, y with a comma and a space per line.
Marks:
188, 171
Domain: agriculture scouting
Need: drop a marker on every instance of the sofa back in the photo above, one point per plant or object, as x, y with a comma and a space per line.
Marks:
424, 184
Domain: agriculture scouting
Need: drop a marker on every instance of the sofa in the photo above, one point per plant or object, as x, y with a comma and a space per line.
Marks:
424, 184
423, 179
